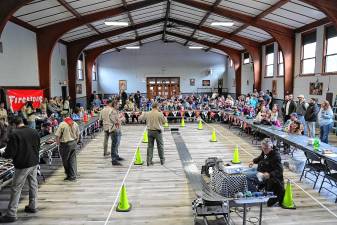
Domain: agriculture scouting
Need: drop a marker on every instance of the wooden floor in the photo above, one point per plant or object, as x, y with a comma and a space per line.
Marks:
159, 195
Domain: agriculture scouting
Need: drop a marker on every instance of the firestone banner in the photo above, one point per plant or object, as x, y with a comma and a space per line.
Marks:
18, 98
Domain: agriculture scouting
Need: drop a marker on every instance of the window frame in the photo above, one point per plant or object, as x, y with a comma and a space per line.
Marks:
244, 54
94, 72
79, 70
302, 52
325, 51
267, 65
279, 63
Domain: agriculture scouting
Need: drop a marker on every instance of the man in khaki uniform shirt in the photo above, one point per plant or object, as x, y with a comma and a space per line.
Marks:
67, 136
3, 113
154, 121
112, 127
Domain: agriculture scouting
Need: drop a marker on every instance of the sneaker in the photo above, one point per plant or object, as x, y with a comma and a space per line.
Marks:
30, 210
120, 159
8, 219
162, 162
72, 179
149, 163
116, 163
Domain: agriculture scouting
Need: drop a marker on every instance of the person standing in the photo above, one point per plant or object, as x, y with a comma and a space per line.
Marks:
154, 121
325, 119
67, 137
301, 110
116, 133
30, 115
124, 97
138, 98
290, 107
311, 117
3, 113
105, 119
23, 147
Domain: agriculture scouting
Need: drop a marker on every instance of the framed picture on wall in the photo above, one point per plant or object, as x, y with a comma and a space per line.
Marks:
123, 85
192, 82
78, 88
316, 88
274, 88
206, 83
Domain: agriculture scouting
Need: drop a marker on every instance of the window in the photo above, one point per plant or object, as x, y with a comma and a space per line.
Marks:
308, 57
330, 64
270, 60
94, 72
79, 69
280, 64
246, 58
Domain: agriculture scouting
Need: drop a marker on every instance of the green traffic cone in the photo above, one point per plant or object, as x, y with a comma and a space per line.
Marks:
138, 161
213, 138
182, 122
288, 202
145, 137
236, 156
200, 125
166, 125
123, 205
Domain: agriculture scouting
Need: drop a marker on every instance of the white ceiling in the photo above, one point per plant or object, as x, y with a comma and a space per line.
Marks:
294, 14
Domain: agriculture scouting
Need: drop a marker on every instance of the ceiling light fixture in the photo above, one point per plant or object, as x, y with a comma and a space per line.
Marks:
195, 47
225, 24
132, 47
116, 23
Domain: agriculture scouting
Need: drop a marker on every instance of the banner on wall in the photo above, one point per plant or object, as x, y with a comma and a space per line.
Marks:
17, 98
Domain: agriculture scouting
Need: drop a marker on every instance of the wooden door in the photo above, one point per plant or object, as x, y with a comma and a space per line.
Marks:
165, 87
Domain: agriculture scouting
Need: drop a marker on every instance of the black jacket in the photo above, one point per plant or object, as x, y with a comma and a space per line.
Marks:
312, 112
292, 108
272, 164
23, 147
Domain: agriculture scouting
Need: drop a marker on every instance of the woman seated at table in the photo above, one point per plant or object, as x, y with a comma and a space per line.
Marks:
269, 172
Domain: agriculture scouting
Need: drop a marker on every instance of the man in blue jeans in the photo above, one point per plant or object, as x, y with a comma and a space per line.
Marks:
269, 172
23, 147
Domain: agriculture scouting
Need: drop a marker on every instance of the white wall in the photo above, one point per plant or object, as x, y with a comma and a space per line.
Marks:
158, 60
302, 82
18, 62
247, 77
59, 72
266, 82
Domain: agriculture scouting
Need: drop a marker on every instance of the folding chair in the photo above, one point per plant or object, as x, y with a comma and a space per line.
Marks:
330, 176
313, 165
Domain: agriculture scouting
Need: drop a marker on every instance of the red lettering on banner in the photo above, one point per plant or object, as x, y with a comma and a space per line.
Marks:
18, 98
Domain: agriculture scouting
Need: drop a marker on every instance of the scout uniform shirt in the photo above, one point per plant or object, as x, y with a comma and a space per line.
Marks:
67, 132
154, 119
3, 115
110, 118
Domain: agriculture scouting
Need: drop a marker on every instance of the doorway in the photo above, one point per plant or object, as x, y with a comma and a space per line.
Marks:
165, 87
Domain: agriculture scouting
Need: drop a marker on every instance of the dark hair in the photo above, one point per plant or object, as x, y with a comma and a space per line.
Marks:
17, 120
76, 110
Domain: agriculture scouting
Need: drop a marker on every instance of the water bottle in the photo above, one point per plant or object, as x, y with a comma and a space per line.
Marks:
316, 144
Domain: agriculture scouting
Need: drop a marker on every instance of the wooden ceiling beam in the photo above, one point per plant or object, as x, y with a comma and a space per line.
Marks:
167, 15
131, 20
7, 9
216, 3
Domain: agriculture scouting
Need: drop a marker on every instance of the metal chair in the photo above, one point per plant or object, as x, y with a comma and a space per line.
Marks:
330, 176
313, 165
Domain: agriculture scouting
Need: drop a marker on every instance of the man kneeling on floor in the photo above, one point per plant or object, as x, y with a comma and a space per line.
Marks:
269, 173
23, 147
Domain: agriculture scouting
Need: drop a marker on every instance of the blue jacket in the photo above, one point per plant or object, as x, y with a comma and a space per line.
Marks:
325, 117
